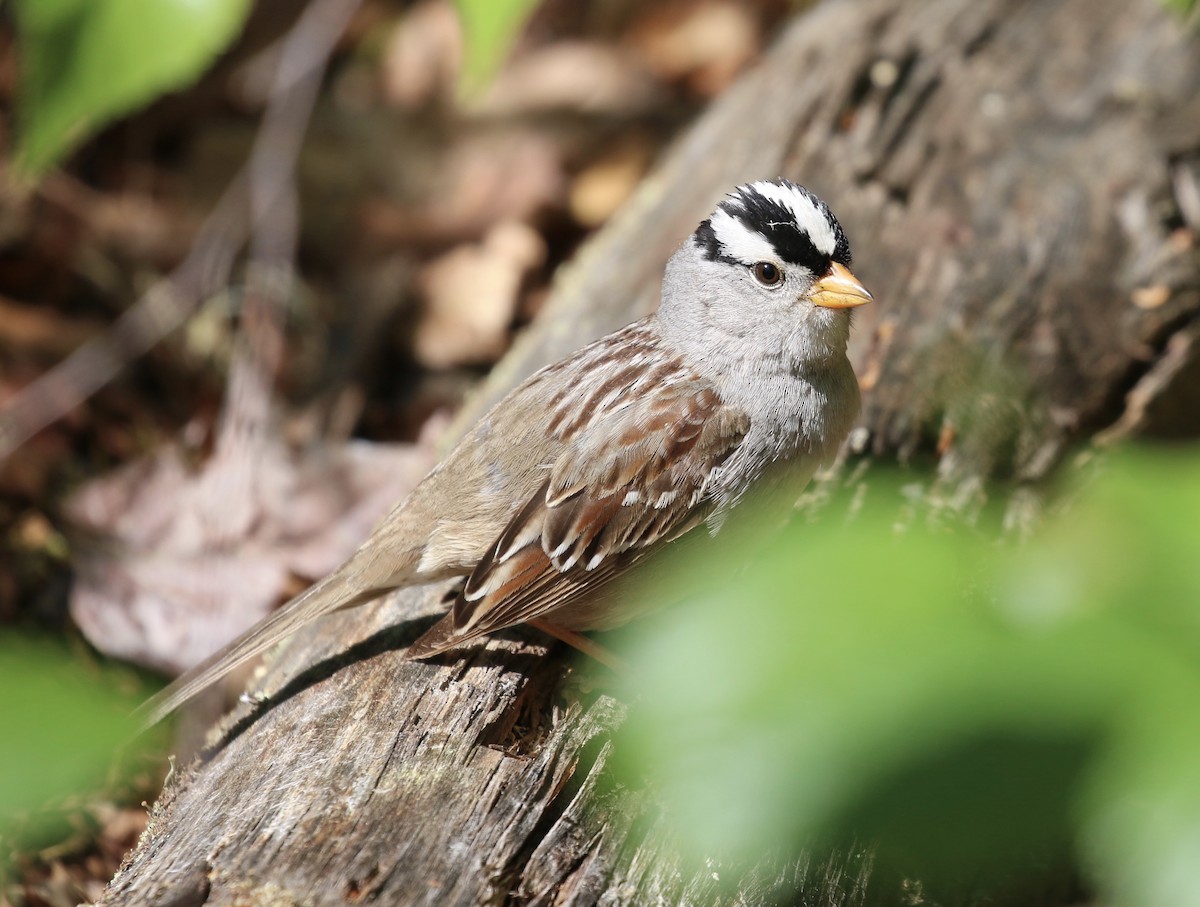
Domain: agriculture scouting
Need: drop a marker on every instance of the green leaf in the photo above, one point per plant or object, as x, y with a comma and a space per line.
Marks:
61, 721
45, 15
974, 711
490, 27
86, 62
1140, 819
1182, 7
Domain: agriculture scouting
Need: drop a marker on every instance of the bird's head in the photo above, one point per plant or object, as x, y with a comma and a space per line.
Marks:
770, 266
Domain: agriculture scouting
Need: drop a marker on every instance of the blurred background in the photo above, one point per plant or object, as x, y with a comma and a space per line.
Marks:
256, 257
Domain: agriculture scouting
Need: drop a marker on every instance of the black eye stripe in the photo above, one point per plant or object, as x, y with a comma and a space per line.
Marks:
775, 222
706, 240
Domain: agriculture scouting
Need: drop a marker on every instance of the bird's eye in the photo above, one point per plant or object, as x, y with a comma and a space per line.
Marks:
767, 274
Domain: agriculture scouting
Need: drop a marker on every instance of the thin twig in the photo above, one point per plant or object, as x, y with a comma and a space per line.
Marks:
230, 507
264, 181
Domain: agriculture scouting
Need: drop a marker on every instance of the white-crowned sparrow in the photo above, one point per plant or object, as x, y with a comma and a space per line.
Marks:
738, 384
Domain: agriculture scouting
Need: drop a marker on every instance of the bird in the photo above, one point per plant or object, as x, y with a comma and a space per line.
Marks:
738, 387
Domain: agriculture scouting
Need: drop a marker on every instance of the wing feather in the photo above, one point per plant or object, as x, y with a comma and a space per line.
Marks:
621, 487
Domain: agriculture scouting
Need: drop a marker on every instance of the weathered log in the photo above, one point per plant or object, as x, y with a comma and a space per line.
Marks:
1020, 182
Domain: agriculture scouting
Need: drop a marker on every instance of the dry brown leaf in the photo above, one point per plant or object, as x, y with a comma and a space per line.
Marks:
77, 869
1151, 297
423, 55
29, 471
180, 562
58, 889
482, 180
38, 329
573, 75
603, 187
471, 296
704, 44
133, 225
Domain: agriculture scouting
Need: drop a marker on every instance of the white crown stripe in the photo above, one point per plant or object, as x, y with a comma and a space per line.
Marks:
808, 214
746, 245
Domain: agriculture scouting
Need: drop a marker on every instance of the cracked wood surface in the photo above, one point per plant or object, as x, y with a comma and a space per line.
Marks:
1020, 182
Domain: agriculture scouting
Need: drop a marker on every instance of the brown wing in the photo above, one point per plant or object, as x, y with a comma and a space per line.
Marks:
624, 485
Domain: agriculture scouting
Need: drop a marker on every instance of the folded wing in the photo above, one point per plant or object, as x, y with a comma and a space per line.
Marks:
633, 474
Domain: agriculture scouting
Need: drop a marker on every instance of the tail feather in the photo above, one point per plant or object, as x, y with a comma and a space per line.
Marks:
325, 597
441, 637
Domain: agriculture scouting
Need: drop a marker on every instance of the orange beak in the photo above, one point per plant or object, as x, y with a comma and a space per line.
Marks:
839, 289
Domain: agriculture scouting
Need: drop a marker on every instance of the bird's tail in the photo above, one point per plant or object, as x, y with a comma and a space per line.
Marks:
441, 637
324, 597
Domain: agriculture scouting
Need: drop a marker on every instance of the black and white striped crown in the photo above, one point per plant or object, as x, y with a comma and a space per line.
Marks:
773, 220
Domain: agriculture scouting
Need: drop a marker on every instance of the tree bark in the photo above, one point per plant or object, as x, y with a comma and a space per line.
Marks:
1021, 183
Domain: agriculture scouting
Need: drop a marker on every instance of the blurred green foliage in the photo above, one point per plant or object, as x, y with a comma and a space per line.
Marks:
84, 63
490, 28
62, 720
976, 708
